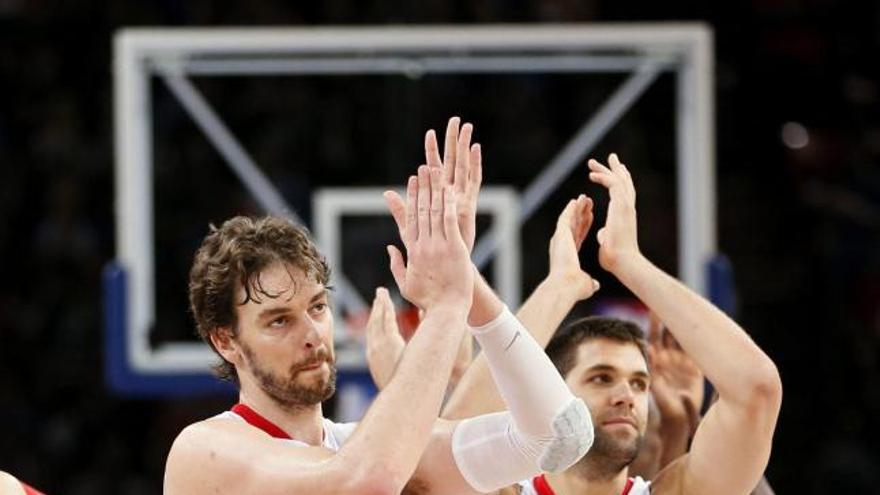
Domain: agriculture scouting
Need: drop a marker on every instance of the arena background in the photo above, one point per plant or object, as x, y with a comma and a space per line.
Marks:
798, 144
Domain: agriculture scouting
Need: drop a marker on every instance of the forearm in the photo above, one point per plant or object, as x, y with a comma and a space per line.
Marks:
727, 356
397, 426
525, 377
547, 307
545, 429
476, 393
541, 315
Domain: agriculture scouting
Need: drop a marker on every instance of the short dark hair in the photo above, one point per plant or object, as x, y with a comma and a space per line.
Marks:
563, 347
233, 256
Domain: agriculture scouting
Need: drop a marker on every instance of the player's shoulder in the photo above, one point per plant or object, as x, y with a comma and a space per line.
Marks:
196, 438
229, 454
205, 444
195, 433
10, 485
214, 439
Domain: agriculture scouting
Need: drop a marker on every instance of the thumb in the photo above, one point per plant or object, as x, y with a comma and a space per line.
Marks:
398, 269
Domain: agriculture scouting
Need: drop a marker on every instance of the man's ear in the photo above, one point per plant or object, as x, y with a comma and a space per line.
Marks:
224, 341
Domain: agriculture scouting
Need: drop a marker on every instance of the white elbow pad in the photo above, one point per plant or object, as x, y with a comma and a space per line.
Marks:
492, 453
572, 438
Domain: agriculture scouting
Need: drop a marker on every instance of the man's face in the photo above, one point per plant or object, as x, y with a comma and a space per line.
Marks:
286, 341
612, 379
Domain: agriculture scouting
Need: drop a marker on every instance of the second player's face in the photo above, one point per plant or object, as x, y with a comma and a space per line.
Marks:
612, 379
287, 339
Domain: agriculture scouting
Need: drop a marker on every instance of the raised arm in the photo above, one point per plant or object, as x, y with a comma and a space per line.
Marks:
677, 390
542, 313
383, 452
384, 343
732, 444
435, 278
545, 428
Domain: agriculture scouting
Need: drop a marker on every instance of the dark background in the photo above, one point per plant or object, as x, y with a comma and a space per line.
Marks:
800, 226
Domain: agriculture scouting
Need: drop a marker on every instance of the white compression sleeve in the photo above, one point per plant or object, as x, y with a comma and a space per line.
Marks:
526, 378
546, 429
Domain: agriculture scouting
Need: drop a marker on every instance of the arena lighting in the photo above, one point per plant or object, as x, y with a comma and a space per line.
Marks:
795, 135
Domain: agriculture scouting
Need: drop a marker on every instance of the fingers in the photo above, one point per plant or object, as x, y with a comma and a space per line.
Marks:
462, 157
577, 217
412, 223
398, 269
450, 215
583, 219
621, 170
600, 174
669, 340
577, 213
614, 163
389, 318
476, 166
423, 202
595, 166
652, 358
383, 296
655, 327
564, 221
397, 207
616, 174
449, 150
655, 333
600, 236
436, 201
376, 314
617, 181
432, 151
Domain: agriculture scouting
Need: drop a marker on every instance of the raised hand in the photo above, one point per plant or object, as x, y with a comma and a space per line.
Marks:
462, 168
572, 227
438, 271
618, 239
384, 343
676, 384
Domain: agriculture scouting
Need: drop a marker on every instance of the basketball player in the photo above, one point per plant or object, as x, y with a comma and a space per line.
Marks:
604, 362
259, 295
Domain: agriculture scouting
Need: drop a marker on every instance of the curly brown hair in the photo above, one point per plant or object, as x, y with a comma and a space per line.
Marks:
232, 257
